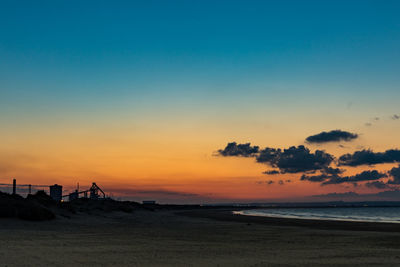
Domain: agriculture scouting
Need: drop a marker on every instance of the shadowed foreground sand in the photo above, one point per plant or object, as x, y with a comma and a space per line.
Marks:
162, 238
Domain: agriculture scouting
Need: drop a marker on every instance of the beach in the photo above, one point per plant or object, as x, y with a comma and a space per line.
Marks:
190, 238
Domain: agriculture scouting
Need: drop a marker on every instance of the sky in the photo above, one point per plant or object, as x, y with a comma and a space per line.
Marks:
142, 97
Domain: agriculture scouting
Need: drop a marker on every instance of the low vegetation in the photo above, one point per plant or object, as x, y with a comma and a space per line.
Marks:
41, 207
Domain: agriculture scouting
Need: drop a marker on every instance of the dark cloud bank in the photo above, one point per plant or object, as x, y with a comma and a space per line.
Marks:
291, 160
370, 175
238, 150
368, 157
294, 159
364, 176
332, 136
317, 167
377, 184
395, 174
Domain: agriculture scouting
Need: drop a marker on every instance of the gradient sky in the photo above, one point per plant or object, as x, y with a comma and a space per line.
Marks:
139, 95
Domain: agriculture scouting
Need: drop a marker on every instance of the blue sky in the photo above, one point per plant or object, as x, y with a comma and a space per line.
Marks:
204, 56
222, 45
200, 56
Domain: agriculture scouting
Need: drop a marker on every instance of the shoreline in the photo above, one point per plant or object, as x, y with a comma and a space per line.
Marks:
311, 218
229, 215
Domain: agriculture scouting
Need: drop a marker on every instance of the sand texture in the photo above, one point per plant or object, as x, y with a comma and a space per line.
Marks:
162, 238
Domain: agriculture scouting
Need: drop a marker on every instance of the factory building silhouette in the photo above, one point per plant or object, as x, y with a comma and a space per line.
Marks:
56, 191
95, 192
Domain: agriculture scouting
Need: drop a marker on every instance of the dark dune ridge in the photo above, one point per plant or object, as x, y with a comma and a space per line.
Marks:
41, 207
33, 208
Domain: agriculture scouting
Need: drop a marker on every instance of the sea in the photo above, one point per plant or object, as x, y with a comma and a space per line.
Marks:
359, 214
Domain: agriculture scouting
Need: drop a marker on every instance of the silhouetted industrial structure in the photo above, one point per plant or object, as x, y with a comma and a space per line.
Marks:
56, 192
95, 192
14, 186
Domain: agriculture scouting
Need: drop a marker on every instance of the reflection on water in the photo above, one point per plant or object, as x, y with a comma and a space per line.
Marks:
365, 214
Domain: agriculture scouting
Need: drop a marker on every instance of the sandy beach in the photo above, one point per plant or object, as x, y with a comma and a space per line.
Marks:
197, 238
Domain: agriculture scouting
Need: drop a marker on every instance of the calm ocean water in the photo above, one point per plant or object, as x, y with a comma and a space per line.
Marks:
366, 214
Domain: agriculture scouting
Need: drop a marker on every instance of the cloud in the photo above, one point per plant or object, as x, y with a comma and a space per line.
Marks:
368, 157
271, 172
295, 159
316, 166
326, 174
332, 171
291, 160
377, 185
330, 176
332, 136
395, 174
315, 178
372, 121
239, 150
364, 176
269, 182
269, 155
